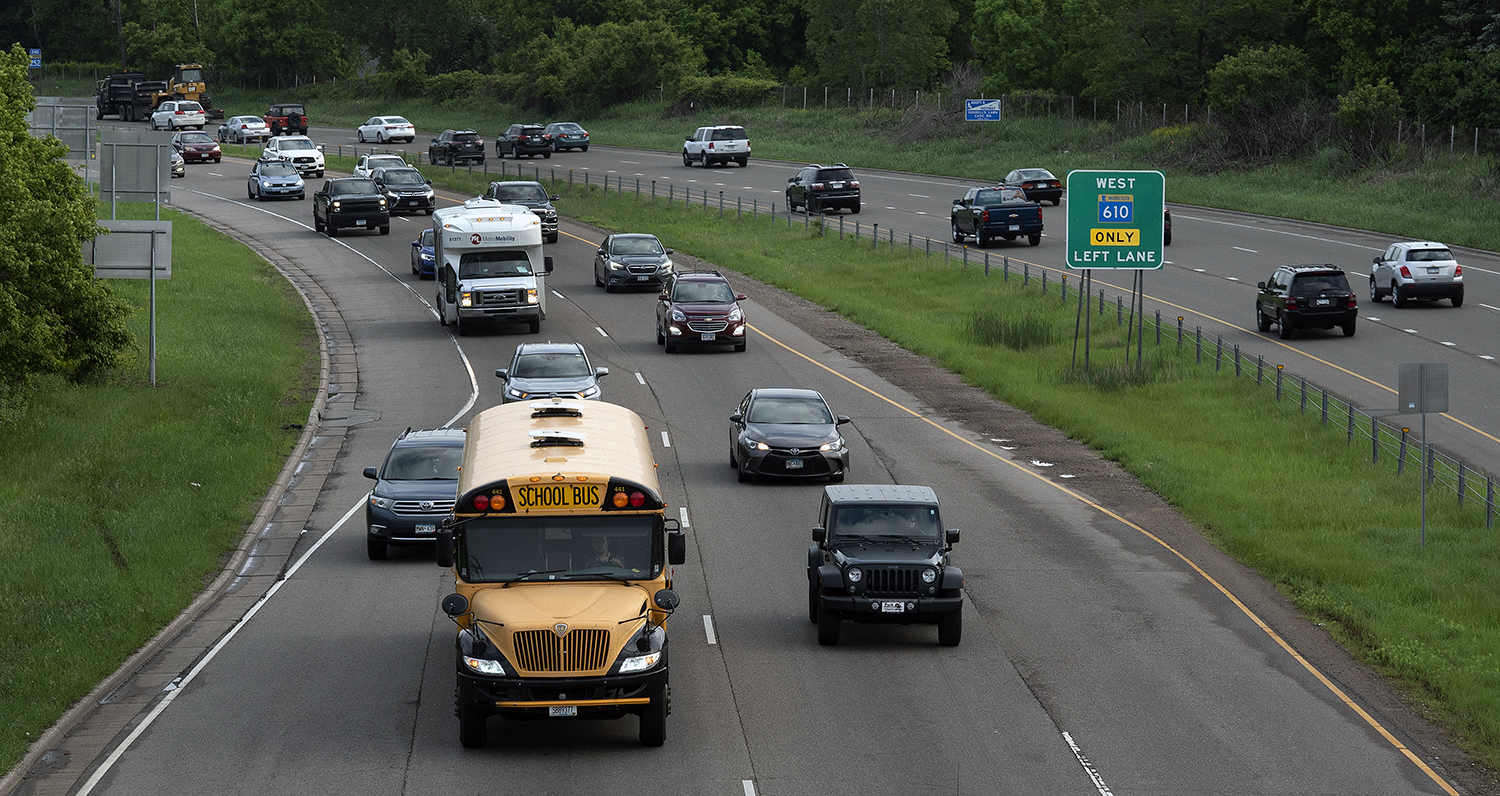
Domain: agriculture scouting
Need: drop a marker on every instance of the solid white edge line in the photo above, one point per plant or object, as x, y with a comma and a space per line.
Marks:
682, 512
182, 684
601, 332
1088, 767
749, 787
666, 441
708, 629
559, 295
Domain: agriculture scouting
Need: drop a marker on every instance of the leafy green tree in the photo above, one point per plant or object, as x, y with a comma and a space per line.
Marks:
156, 51
1369, 114
1266, 101
879, 43
1359, 42
55, 317
281, 40
606, 64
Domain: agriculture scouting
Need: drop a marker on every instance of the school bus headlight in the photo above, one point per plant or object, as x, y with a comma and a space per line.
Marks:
484, 665
640, 663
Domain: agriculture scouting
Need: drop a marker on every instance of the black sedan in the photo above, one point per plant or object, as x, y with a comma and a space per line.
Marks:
787, 433
1039, 185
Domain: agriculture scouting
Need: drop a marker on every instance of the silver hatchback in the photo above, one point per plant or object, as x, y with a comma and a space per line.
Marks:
1417, 270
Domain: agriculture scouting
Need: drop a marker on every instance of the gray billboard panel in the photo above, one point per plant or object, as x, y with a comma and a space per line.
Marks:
127, 251
1424, 387
71, 119
134, 165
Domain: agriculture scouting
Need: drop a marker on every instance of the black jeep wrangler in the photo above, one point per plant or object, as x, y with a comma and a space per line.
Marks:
881, 555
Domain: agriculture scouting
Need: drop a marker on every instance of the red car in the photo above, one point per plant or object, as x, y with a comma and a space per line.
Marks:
698, 308
196, 145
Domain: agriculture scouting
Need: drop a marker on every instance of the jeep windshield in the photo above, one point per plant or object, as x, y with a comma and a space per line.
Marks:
481, 265
729, 134
873, 522
520, 193
532, 548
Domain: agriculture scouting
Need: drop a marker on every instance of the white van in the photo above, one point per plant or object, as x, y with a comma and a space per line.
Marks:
490, 267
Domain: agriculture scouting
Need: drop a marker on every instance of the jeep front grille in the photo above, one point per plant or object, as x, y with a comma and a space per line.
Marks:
578, 651
892, 580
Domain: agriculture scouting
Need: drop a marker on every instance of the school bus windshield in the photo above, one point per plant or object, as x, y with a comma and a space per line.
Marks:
571, 547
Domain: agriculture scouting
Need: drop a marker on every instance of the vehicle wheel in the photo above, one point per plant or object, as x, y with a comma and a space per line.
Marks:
360, 134
958, 237
743, 162
951, 629
608, 288
660, 338
1349, 329
248, 192
854, 208
547, 155
330, 229
1166, 238
812, 600
1283, 329
374, 548
1375, 294
317, 225
536, 327
741, 347
814, 207
1035, 240
385, 230
828, 627
216, 160
442, 312
1397, 299
473, 727
600, 283
552, 238
1261, 321
981, 240
789, 206
654, 718
584, 148
458, 320
1458, 301
836, 478
685, 160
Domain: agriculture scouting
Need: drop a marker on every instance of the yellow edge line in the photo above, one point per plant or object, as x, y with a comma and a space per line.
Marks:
1370, 720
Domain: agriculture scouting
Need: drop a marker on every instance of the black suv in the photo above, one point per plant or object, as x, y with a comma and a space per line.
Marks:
524, 139
1306, 297
456, 146
699, 308
532, 196
287, 118
415, 488
820, 188
350, 203
881, 555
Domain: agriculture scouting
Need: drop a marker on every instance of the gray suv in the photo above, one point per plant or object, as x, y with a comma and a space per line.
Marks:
532, 196
1417, 270
542, 370
880, 554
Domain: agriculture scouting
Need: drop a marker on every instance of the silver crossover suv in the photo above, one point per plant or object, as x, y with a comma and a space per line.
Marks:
1417, 270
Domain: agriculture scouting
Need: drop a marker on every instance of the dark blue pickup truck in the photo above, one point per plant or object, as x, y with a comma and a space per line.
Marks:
1000, 211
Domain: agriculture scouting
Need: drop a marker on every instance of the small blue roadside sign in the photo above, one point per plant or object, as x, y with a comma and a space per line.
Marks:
36, 57
981, 110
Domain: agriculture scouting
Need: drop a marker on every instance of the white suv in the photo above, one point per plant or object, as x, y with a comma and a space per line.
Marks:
1417, 270
299, 150
719, 144
177, 115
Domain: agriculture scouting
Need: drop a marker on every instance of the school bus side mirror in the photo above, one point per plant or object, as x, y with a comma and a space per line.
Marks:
455, 605
676, 548
666, 599
444, 547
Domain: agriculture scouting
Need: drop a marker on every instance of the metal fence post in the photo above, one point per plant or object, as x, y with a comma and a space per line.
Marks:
1007, 268
1044, 283
1463, 483
1218, 352
1350, 440
1325, 409
1401, 453
986, 263
1489, 502
1198, 343
1302, 401
1374, 441
1278, 381
1119, 310
1158, 329
1179, 320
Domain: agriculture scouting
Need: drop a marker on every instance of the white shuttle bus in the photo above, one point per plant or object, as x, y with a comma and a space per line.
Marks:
490, 266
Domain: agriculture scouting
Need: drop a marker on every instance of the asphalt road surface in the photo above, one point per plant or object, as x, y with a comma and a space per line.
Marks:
1095, 658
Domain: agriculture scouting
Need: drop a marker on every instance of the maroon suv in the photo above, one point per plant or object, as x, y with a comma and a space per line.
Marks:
699, 308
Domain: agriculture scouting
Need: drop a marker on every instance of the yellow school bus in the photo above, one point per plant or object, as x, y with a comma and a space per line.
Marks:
561, 554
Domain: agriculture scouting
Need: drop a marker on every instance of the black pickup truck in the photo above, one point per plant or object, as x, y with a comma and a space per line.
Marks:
1000, 211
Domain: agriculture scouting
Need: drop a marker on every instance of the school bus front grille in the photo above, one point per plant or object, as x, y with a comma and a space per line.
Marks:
578, 651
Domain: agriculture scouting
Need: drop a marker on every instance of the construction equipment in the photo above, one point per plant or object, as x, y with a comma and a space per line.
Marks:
132, 97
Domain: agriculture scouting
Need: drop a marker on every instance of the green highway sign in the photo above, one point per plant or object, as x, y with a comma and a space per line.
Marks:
1115, 220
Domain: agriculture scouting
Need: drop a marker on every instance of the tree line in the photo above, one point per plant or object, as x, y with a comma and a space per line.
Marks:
1440, 57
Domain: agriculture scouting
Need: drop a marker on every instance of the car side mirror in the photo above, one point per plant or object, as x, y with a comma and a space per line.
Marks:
667, 600
740, 297
669, 251
502, 373
736, 417
1376, 261
600, 373
553, 198
320, 147
428, 181
952, 536
371, 472
601, 252
547, 263
663, 297
820, 534
790, 180
841, 419
1260, 285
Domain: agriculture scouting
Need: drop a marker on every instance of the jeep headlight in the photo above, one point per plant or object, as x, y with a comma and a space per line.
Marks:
640, 663
855, 574
484, 665
929, 575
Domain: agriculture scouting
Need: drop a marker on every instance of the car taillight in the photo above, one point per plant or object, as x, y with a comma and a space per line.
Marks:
1458, 270
1353, 301
710, 145
817, 186
984, 216
179, 113
1291, 303
854, 183
1405, 272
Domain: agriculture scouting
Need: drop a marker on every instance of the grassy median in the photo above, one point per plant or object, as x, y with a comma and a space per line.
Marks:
119, 501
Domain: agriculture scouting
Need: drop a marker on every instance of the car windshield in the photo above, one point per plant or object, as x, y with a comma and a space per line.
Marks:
402, 177
728, 134
567, 127
196, 138
531, 131
835, 174
1035, 174
636, 246
351, 188
702, 293
295, 144
277, 169
550, 365
999, 197
189, 106
384, 162
569, 547
426, 238
423, 464
875, 521
466, 136
793, 411
1316, 284
1428, 255
477, 265
519, 193
395, 120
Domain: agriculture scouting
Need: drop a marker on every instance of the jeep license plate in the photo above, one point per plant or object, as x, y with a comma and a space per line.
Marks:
426, 528
794, 464
562, 710
708, 337
892, 607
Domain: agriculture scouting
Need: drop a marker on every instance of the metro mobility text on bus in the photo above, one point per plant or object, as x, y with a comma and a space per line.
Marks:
561, 554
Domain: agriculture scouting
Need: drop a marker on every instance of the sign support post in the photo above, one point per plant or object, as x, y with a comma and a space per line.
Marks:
1115, 222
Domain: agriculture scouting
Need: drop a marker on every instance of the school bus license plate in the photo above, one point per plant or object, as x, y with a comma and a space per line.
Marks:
562, 710
544, 496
